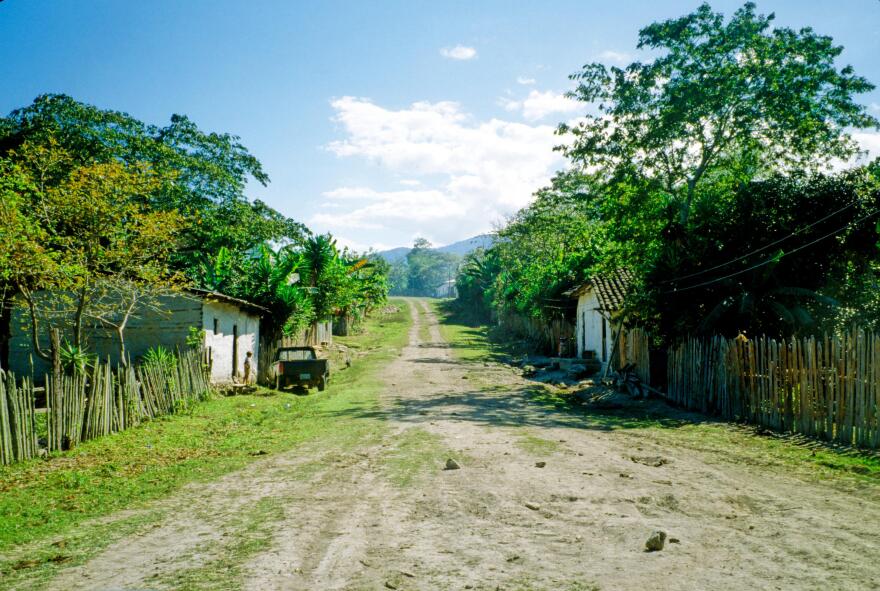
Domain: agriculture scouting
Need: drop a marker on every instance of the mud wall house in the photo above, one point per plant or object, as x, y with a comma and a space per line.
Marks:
231, 328
599, 303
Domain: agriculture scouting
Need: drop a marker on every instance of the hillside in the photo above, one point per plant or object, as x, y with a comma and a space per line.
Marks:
460, 248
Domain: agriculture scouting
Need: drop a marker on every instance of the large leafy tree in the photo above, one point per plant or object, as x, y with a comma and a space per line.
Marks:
85, 231
204, 174
427, 269
787, 254
721, 97
271, 279
549, 245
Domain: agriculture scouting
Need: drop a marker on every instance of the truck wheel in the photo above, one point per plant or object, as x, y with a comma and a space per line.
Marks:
322, 383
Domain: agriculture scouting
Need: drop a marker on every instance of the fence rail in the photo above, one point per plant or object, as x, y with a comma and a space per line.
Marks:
826, 387
102, 401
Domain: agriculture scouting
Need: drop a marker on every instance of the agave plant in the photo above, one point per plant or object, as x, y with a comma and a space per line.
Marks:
160, 356
76, 359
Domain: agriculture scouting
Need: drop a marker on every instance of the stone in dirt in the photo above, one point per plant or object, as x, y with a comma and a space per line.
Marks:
540, 464
653, 461
451, 465
656, 541
533, 506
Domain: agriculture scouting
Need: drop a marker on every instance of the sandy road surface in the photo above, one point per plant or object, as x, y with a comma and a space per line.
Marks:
340, 519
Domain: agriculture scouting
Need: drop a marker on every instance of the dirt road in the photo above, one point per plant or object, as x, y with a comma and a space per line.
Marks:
384, 514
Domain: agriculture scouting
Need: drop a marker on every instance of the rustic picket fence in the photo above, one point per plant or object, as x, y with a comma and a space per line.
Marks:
102, 401
18, 440
826, 387
634, 351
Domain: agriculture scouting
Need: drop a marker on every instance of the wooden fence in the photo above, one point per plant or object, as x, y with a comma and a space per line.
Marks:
634, 349
547, 335
104, 400
316, 335
18, 440
825, 387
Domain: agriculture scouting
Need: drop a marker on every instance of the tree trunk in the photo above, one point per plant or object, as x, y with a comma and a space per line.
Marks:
55, 336
120, 332
77, 319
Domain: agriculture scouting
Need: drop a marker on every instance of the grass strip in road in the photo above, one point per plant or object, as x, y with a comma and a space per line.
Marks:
416, 454
537, 446
671, 427
250, 532
58, 500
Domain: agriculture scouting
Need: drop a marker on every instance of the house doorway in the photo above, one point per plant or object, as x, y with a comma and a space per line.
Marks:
235, 350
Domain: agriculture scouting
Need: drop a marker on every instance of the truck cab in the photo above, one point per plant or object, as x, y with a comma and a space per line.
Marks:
300, 366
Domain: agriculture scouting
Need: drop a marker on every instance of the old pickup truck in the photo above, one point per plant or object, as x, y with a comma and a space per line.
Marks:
300, 366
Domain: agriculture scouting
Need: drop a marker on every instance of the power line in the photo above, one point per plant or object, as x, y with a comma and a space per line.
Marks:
771, 259
757, 250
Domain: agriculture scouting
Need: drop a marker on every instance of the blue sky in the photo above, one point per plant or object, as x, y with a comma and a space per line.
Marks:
378, 121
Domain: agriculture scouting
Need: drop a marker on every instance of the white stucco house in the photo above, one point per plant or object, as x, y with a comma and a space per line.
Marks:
231, 329
599, 302
446, 289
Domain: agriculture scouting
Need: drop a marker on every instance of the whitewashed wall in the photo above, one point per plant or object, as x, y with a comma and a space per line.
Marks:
168, 328
220, 342
589, 328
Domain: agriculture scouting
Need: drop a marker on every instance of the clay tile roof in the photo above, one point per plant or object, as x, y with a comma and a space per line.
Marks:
611, 289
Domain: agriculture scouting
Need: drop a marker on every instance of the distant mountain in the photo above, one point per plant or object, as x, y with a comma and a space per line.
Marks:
461, 248
395, 254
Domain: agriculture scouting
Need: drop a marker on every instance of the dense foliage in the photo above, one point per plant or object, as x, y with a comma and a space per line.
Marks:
106, 213
705, 174
424, 271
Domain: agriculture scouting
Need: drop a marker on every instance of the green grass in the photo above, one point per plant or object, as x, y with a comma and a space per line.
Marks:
425, 333
670, 427
57, 500
537, 446
248, 533
417, 453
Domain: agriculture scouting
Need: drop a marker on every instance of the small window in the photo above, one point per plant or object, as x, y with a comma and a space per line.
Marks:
216, 326
295, 355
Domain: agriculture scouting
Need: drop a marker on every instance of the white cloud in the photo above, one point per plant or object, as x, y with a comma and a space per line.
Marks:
356, 246
874, 107
525, 81
869, 142
471, 173
617, 57
410, 182
459, 52
538, 105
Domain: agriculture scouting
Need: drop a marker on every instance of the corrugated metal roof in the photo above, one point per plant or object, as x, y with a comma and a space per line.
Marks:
611, 289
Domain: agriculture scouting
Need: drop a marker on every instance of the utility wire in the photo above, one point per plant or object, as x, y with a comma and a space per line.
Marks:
771, 259
757, 250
